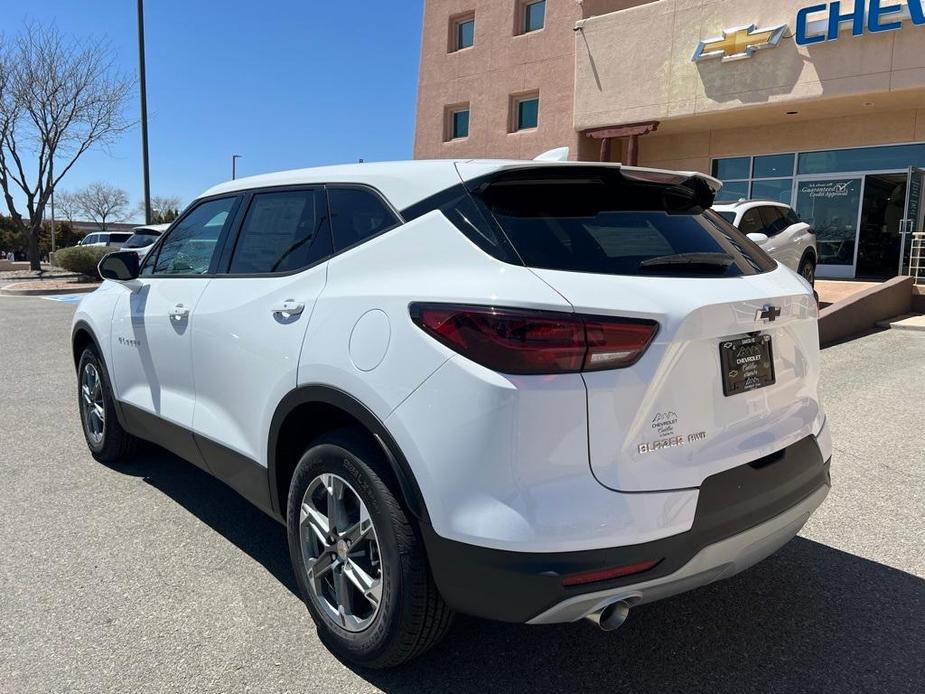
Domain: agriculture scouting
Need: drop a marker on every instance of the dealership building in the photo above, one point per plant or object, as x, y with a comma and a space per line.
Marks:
819, 105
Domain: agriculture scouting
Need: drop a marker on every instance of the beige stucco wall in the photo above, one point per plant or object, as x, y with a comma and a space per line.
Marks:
498, 65
635, 65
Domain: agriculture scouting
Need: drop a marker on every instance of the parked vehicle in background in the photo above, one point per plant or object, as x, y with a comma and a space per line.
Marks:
526, 391
113, 239
778, 230
144, 237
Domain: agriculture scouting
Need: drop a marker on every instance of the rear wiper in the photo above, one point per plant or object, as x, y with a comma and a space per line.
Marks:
689, 262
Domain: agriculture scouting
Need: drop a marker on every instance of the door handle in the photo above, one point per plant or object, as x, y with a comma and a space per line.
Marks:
179, 312
289, 307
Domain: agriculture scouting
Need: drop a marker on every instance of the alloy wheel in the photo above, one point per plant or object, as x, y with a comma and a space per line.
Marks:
809, 272
340, 553
93, 404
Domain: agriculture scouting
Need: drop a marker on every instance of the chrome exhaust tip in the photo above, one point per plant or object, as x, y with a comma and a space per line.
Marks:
611, 617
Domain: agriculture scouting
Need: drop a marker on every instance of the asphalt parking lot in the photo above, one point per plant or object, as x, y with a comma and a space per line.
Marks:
154, 577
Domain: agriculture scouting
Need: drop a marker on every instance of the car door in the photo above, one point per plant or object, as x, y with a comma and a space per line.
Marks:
781, 245
151, 328
250, 325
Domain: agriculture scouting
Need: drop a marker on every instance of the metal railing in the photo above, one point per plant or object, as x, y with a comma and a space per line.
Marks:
917, 257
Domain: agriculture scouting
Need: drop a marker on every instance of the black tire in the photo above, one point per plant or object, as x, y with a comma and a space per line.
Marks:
116, 444
807, 269
411, 616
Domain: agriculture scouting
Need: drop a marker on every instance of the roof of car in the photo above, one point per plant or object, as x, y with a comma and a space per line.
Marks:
156, 228
407, 182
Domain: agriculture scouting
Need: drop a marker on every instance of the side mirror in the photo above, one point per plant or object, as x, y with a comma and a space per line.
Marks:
120, 266
760, 239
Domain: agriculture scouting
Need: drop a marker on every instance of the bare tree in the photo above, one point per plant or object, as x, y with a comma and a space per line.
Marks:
164, 208
102, 203
58, 98
67, 206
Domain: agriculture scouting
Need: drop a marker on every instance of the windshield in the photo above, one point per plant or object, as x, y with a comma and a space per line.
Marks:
606, 224
140, 240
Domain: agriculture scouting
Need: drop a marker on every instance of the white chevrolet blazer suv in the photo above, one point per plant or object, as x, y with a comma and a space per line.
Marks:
778, 230
533, 392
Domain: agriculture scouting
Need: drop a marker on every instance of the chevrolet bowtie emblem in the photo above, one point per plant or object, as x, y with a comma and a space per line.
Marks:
767, 312
738, 43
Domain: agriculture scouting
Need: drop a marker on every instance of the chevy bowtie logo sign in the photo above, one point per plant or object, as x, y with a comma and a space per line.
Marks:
738, 43
815, 24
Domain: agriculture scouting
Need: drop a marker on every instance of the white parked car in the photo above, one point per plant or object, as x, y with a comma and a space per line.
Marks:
527, 391
144, 237
112, 239
778, 230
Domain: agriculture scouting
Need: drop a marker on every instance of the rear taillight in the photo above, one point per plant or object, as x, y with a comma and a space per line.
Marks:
516, 341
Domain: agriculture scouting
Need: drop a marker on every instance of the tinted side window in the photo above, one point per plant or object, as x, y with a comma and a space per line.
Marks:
774, 220
282, 232
92, 238
189, 247
751, 222
357, 214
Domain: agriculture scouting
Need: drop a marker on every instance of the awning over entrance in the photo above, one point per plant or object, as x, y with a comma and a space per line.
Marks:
631, 132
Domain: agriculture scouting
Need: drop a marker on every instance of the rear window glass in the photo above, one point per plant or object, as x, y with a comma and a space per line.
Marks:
140, 240
606, 224
118, 238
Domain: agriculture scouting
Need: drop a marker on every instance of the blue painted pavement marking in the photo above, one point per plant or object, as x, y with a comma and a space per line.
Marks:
67, 298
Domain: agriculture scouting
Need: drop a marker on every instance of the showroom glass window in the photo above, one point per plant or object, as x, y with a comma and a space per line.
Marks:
190, 246
282, 232
898, 157
763, 177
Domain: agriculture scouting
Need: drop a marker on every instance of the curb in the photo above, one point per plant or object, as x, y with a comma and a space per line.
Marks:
909, 321
11, 290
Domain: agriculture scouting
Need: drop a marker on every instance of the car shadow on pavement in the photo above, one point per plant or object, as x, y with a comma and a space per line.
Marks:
808, 619
218, 506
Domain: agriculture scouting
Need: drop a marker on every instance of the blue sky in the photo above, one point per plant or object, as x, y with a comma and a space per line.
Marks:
284, 83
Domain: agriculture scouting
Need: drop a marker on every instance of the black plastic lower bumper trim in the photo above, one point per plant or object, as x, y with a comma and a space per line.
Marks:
517, 586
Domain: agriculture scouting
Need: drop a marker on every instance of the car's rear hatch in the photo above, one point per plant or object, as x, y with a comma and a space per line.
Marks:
644, 248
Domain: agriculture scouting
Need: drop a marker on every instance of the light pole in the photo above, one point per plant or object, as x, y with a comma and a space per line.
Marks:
144, 108
234, 163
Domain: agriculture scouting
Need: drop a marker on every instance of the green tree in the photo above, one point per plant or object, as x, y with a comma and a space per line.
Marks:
13, 238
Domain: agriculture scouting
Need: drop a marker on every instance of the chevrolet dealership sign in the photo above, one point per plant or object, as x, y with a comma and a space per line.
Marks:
739, 42
814, 24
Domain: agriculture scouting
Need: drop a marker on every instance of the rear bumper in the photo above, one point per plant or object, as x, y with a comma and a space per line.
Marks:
713, 563
743, 515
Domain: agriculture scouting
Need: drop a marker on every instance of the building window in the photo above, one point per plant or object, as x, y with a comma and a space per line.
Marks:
533, 15
456, 122
764, 177
525, 111
462, 31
